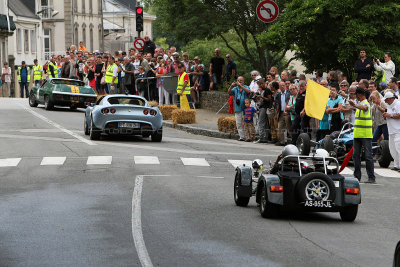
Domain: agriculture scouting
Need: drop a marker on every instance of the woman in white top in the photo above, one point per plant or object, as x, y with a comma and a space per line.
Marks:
5, 80
254, 88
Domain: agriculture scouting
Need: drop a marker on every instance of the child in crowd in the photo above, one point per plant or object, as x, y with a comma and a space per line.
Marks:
248, 114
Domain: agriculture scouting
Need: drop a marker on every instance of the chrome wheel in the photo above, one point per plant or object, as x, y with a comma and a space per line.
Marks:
317, 189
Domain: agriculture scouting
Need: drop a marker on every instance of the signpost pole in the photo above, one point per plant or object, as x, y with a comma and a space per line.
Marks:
267, 51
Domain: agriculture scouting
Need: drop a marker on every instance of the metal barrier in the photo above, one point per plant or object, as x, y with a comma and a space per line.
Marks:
170, 83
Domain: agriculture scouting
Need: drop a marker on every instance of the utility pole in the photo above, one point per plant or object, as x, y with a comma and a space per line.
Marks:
102, 27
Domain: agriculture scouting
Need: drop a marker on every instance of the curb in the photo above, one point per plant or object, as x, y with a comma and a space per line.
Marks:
200, 131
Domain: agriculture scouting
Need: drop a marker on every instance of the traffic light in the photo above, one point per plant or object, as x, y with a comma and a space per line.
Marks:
139, 19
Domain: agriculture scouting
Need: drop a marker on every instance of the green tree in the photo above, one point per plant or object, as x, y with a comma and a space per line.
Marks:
327, 35
183, 21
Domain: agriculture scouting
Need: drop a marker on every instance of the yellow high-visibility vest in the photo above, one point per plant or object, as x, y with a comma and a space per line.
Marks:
109, 74
28, 73
55, 70
363, 122
37, 73
181, 82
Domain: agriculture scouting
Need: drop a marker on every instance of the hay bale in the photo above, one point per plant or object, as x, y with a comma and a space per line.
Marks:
153, 103
166, 111
227, 124
180, 116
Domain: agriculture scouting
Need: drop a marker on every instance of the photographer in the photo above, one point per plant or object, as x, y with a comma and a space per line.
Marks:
388, 68
265, 99
240, 91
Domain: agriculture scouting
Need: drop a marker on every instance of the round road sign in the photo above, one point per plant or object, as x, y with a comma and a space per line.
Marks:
138, 44
267, 11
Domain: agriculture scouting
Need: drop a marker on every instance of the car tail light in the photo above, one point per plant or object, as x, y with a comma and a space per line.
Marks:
276, 188
152, 112
113, 110
352, 191
105, 111
145, 112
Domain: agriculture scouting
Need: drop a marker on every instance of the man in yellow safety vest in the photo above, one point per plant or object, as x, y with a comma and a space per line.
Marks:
363, 136
37, 73
183, 89
24, 78
111, 76
53, 71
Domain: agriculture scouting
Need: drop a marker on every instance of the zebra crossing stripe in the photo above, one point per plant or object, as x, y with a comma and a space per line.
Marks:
387, 173
146, 160
236, 163
195, 162
99, 160
347, 171
53, 161
10, 162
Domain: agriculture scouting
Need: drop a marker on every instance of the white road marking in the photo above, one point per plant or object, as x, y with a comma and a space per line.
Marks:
387, 173
211, 177
10, 162
53, 160
30, 137
347, 171
236, 163
137, 233
99, 160
195, 162
34, 113
146, 160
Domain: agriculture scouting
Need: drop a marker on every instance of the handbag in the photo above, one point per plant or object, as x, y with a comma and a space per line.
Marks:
103, 80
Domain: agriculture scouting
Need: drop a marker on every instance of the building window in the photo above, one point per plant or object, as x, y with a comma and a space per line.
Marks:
47, 43
26, 41
33, 41
84, 35
83, 6
75, 6
91, 7
76, 36
19, 40
100, 38
91, 39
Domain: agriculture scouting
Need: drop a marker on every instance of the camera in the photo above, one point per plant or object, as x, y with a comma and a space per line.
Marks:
254, 97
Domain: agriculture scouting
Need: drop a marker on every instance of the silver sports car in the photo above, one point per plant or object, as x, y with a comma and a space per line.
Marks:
123, 115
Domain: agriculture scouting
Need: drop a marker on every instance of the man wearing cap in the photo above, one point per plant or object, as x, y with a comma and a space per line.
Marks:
363, 135
393, 122
37, 73
24, 78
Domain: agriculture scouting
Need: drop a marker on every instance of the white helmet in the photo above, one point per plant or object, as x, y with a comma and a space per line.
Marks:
257, 164
321, 153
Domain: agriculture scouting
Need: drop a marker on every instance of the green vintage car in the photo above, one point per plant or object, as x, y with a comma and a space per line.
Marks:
62, 92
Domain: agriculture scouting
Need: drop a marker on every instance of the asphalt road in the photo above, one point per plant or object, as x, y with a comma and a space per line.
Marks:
131, 202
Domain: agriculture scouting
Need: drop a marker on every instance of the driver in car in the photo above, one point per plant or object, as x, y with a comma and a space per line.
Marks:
289, 150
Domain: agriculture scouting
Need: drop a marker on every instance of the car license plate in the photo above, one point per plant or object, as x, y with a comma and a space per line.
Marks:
128, 125
318, 203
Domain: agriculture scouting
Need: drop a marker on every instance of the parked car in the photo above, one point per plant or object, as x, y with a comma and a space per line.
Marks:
62, 92
123, 115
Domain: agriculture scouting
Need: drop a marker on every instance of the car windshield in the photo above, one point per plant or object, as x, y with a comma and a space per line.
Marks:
126, 101
67, 82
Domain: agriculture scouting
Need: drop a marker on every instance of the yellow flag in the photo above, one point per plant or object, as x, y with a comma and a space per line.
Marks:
316, 99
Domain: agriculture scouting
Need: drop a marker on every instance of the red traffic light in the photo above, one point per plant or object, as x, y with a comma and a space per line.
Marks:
139, 10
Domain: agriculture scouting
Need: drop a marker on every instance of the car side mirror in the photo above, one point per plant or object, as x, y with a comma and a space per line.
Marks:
92, 104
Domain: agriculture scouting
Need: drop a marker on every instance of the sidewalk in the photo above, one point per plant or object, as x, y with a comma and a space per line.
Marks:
206, 124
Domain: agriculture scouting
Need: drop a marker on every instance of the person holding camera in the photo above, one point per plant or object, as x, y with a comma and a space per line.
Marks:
240, 92
387, 68
265, 100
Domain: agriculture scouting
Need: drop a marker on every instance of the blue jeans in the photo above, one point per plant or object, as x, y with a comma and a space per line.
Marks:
22, 85
369, 160
381, 129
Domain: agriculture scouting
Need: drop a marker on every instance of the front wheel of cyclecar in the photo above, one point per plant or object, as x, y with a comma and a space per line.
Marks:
349, 213
267, 210
32, 100
383, 154
303, 143
240, 201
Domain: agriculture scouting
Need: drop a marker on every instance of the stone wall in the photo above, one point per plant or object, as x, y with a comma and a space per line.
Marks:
214, 100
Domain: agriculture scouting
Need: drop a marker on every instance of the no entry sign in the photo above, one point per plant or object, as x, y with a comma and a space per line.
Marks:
138, 44
267, 11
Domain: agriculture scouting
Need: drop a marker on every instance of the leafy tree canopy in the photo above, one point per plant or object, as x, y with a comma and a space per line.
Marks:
328, 35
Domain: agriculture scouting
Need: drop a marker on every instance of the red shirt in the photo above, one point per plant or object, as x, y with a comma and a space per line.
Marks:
186, 78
